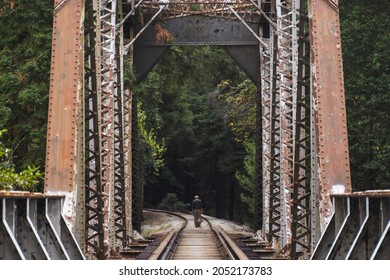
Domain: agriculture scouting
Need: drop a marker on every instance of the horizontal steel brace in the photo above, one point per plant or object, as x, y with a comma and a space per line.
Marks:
204, 43
201, 30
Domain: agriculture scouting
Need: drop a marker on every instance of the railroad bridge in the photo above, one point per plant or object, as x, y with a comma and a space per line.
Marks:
291, 50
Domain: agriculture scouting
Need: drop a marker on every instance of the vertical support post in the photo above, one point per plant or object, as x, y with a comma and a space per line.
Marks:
301, 208
275, 154
64, 152
119, 169
329, 104
107, 76
127, 154
100, 126
136, 170
259, 153
127, 135
287, 58
265, 116
266, 88
258, 192
93, 163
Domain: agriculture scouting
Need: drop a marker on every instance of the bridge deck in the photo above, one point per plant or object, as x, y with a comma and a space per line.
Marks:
197, 243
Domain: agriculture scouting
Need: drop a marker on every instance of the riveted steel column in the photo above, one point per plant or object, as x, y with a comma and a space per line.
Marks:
127, 154
258, 192
127, 136
301, 208
121, 233
275, 192
100, 85
259, 159
266, 136
288, 58
107, 76
93, 180
329, 106
64, 147
137, 190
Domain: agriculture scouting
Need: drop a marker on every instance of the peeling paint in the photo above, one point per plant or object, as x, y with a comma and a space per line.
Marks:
338, 189
67, 210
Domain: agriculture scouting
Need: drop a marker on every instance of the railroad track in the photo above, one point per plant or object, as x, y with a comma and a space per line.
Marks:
191, 243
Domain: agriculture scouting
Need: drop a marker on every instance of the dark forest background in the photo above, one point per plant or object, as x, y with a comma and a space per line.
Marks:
197, 110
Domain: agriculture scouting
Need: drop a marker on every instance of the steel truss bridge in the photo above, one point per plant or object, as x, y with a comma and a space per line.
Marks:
291, 49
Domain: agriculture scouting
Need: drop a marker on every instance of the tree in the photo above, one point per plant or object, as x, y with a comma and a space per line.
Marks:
26, 180
366, 56
25, 46
184, 107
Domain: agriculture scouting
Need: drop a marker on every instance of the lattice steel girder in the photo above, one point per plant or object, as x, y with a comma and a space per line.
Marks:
107, 76
258, 191
287, 59
217, 8
137, 179
120, 183
274, 197
329, 106
94, 219
106, 185
265, 86
302, 208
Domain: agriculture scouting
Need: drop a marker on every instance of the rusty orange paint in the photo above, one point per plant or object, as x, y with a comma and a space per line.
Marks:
329, 105
62, 147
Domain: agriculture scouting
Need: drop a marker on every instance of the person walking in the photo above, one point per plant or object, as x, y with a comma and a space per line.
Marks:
197, 210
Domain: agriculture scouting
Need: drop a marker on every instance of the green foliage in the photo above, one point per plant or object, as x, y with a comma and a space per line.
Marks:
172, 203
241, 101
25, 54
366, 55
186, 110
26, 180
153, 148
247, 177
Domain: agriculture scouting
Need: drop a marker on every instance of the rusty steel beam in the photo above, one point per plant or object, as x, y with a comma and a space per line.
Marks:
64, 146
330, 113
65, 91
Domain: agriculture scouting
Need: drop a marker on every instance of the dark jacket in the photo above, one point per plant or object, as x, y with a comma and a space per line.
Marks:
197, 204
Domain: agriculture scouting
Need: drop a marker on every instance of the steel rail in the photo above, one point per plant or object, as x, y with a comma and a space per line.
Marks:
170, 249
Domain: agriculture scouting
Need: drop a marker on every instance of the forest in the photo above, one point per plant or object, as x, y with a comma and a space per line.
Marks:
196, 111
